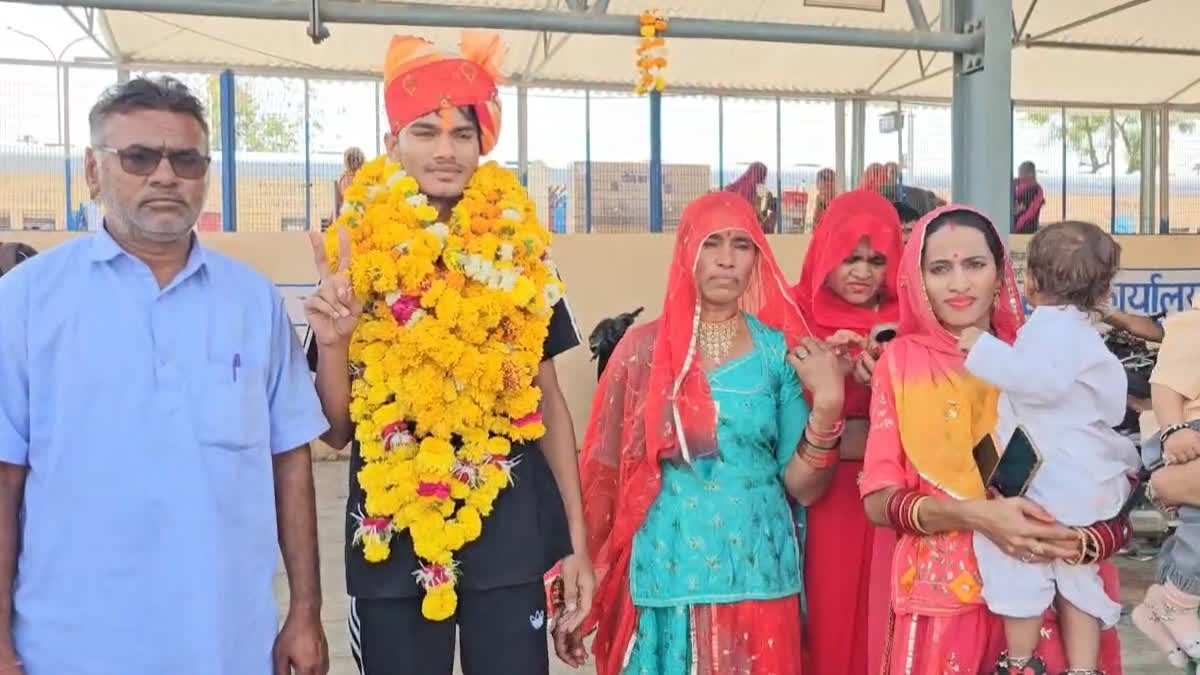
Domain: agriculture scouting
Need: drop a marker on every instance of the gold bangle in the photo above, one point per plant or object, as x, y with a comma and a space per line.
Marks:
1096, 548
1082, 534
1091, 548
915, 516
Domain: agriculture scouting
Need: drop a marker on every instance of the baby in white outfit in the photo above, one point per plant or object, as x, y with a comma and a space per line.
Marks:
1059, 382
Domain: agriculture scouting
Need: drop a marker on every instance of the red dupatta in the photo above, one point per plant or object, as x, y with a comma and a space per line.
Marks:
654, 403
850, 218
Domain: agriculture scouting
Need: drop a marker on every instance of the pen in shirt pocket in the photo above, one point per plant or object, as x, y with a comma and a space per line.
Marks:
237, 363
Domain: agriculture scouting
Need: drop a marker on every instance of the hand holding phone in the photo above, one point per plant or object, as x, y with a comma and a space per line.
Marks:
1011, 473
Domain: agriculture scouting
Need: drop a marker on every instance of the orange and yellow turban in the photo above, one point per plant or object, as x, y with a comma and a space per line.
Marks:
418, 80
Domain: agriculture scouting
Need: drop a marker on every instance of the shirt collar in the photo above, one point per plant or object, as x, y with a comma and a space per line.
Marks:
105, 249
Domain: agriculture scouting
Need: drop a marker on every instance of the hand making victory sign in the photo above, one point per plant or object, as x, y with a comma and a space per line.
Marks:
332, 311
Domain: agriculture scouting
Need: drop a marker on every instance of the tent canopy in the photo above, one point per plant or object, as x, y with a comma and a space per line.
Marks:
1046, 65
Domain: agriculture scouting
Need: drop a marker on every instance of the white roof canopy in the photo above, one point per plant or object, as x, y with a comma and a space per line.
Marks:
1166, 70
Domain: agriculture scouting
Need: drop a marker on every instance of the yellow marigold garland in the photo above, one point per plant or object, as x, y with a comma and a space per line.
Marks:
454, 317
651, 53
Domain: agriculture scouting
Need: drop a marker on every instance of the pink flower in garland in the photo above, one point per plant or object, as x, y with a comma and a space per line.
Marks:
404, 307
431, 489
532, 418
377, 524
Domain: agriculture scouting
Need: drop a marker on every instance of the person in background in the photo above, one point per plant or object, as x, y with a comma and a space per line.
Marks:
893, 185
874, 178
1171, 431
353, 159
908, 218
12, 254
155, 396
1138, 325
1028, 199
826, 191
752, 186
847, 288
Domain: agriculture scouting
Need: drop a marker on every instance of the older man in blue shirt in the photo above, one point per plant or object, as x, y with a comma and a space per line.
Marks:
155, 415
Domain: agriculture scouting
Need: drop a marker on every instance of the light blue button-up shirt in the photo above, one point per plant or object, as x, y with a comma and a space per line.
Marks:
147, 419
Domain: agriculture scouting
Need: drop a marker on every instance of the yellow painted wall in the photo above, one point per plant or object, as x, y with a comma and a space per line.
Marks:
614, 273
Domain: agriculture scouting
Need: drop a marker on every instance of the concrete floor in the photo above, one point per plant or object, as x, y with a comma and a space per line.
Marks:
1140, 658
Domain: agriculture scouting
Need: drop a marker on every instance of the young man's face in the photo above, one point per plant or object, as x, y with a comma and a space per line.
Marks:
441, 159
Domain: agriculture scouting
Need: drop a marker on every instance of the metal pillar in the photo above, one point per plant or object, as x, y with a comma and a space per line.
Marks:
1149, 150
655, 181
228, 151
1164, 166
66, 138
1062, 121
587, 161
415, 14
778, 166
1112, 171
308, 183
839, 144
981, 112
523, 134
858, 131
378, 126
720, 142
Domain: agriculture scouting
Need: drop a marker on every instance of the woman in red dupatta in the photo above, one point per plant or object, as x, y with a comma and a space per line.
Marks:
847, 287
920, 477
664, 416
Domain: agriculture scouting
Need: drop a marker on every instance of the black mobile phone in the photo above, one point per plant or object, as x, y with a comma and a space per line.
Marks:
884, 332
1017, 466
986, 457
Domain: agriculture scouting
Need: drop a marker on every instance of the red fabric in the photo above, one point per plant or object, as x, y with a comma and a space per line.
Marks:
747, 184
971, 642
1029, 196
720, 650
850, 217
839, 537
653, 403
837, 574
418, 80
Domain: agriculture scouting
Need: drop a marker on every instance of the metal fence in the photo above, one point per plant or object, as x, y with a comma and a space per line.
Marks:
588, 151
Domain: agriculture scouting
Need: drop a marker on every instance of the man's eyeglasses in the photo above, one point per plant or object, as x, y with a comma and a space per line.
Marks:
140, 160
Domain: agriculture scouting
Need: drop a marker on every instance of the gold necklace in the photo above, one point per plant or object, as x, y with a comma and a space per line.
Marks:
716, 339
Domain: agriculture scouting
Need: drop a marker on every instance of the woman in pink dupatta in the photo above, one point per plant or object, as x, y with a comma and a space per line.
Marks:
920, 477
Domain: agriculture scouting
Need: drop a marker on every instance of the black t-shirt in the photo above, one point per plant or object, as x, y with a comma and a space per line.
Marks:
525, 535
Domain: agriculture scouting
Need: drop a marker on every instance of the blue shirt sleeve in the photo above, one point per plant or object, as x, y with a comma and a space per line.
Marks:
14, 368
296, 417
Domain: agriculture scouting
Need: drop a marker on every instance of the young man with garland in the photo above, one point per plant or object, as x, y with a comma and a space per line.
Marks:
406, 598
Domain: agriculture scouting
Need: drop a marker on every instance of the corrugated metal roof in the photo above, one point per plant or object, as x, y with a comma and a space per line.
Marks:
1039, 74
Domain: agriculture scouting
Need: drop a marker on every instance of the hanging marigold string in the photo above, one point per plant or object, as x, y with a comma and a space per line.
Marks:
651, 53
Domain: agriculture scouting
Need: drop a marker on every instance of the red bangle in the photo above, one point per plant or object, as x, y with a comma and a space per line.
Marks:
819, 460
899, 509
833, 430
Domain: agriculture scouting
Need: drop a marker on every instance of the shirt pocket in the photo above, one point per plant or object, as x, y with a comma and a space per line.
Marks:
231, 408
